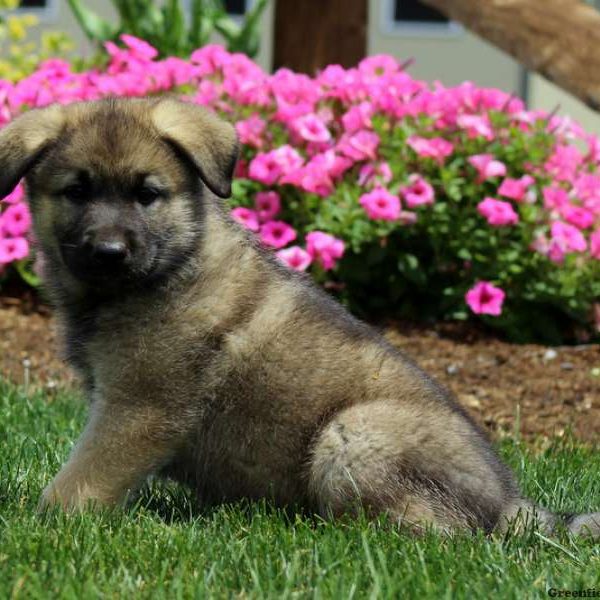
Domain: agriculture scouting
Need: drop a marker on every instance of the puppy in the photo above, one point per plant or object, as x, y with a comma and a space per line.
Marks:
207, 361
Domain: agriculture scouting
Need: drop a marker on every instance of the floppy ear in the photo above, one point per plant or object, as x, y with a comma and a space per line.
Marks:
209, 142
24, 140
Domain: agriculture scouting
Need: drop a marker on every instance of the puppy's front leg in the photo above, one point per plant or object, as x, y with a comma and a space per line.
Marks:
118, 449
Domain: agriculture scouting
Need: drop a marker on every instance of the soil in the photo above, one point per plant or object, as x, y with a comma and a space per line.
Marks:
525, 390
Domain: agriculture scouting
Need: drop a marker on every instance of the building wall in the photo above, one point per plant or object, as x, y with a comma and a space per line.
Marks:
450, 57
547, 96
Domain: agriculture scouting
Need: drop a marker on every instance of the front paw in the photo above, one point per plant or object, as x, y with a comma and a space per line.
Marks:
73, 497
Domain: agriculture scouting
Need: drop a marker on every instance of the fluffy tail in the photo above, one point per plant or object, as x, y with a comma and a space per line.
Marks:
523, 512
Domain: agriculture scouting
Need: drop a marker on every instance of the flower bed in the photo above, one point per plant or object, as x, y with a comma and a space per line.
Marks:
401, 197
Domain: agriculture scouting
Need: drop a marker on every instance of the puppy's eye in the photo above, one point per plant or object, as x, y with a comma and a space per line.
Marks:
147, 195
76, 192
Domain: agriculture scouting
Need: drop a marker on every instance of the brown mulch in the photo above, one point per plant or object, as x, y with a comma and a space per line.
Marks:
528, 390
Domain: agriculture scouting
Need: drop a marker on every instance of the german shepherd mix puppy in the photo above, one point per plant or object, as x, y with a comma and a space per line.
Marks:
206, 361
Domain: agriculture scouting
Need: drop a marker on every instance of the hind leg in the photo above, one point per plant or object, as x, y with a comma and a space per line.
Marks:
425, 468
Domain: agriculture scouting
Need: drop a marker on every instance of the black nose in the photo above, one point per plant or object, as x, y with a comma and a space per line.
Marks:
109, 252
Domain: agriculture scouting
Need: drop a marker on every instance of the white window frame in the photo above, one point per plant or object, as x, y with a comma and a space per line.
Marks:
390, 26
46, 14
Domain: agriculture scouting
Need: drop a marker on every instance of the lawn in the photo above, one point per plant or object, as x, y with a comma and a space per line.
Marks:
167, 547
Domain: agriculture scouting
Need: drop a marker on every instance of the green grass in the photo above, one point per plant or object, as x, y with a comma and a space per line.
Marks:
166, 547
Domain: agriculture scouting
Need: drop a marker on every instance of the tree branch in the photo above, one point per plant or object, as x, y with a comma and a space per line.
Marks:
559, 39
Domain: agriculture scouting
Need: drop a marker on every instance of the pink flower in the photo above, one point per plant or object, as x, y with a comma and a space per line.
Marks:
246, 217
554, 198
330, 162
267, 204
419, 192
358, 117
515, 188
580, 217
568, 237
277, 234
476, 126
436, 148
485, 299
378, 65
325, 248
268, 167
358, 146
564, 162
295, 257
595, 244
487, 166
311, 128
13, 249
251, 130
380, 204
16, 195
16, 219
587, 189
497, 212
311, 178
140, 48
370, 174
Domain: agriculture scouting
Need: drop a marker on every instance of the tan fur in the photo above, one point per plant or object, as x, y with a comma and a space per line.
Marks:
228, 372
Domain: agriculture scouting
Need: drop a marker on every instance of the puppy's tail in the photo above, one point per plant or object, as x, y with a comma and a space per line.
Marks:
522, 512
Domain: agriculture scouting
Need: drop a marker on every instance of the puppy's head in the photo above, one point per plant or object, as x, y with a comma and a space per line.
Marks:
118, 188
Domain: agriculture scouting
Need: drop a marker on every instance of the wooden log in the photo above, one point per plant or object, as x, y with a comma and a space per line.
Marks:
311, 34
559, 39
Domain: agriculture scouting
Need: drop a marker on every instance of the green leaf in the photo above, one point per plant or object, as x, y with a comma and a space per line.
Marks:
30, 278
96, 29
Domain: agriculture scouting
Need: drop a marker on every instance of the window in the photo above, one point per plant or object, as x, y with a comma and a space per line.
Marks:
46, 10
412, 17
413, 11
236, 7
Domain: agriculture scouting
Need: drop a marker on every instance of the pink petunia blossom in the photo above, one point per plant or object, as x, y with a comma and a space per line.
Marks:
358, 146
311, 128
16, 195
476, 126
418, 192
515, 189
358, 117
378, 65
268, 167
16, 219
246, 217
295, 257
311, 178
485, 298
12, 249
554, 198
373, 174
568, 237
587, 189
580, 217
380, 204
267, 204
251, 130
140, 48
564, 163
487, 166
437, 148
497, 212
277, 234
325, 248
